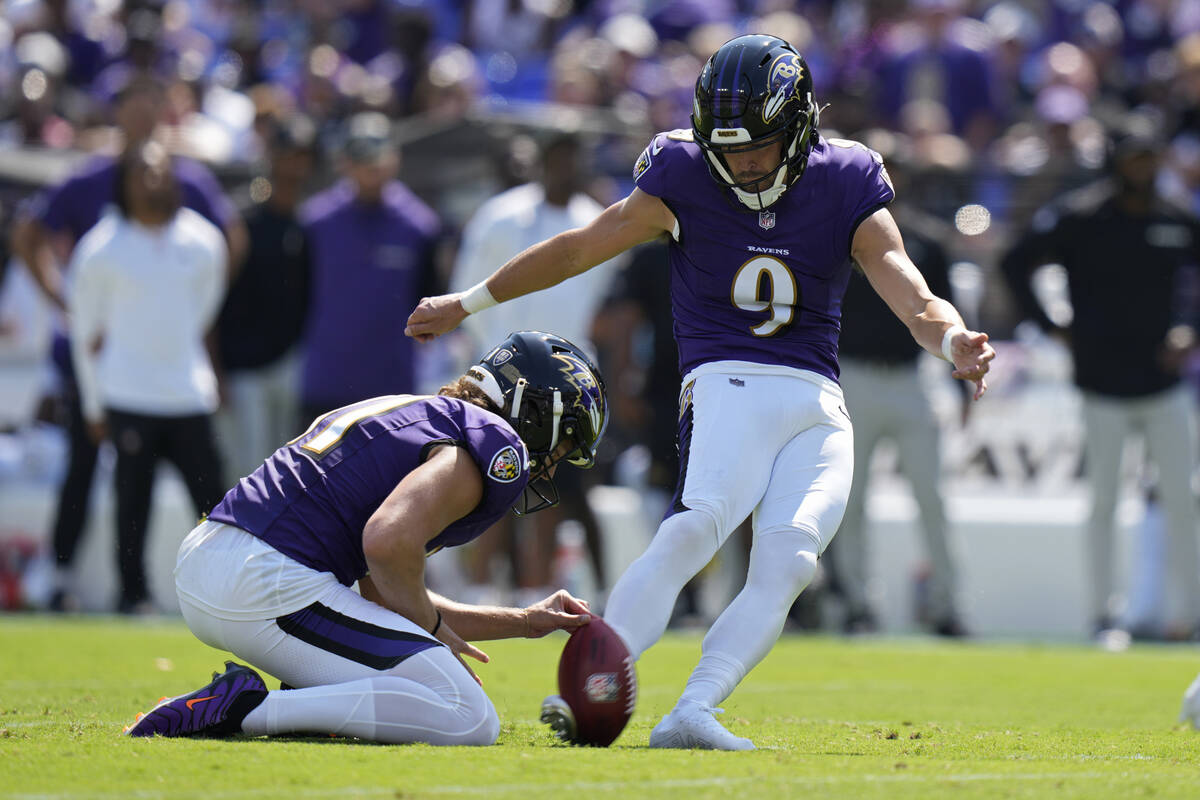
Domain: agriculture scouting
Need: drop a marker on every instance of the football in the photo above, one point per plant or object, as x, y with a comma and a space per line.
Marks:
597, 686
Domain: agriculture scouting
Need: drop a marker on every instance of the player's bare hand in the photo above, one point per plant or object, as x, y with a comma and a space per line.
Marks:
460, 648
434, 316
559, 611
972, 358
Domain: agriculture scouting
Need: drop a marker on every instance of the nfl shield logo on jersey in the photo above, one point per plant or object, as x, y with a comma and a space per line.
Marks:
766, 220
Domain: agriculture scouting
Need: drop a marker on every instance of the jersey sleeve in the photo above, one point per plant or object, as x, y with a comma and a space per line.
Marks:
868, 187
503, 463
56, 208
650, 170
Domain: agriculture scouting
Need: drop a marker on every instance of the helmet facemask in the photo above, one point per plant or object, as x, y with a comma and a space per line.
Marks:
794, 157
554, 399
533, 415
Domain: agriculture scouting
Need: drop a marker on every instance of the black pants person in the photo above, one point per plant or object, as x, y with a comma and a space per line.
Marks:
141, 440
76, 489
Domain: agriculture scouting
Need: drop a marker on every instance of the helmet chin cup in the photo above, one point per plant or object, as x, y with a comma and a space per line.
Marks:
765, 198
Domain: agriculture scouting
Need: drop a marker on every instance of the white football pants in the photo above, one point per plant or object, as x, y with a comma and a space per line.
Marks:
359, 669
754, 439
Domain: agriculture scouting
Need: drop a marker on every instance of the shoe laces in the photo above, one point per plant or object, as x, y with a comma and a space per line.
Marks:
705, 715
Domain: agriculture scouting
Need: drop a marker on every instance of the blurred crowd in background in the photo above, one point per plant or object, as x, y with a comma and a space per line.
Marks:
306, 110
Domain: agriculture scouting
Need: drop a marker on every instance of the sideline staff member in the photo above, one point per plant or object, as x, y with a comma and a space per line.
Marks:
1123, 246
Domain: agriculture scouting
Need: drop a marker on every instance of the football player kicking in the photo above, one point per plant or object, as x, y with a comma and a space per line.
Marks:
364, 495
764, 216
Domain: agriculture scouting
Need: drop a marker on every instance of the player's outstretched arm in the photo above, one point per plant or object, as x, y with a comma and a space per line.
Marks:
638, 218
934, 322
559, 611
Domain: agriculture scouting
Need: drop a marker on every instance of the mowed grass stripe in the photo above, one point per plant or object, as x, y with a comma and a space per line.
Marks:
882, 718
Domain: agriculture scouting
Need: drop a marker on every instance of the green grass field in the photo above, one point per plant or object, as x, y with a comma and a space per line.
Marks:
882, 718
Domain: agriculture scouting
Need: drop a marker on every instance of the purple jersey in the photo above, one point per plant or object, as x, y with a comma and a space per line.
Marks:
312, 498
78, 203
762, 286
368, 259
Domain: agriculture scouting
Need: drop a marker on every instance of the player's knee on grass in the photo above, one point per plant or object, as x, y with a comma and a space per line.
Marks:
464, 715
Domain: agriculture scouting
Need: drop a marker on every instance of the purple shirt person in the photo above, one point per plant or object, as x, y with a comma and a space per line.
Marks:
44, 236
763, 217
71, 209
372, 243
76, 205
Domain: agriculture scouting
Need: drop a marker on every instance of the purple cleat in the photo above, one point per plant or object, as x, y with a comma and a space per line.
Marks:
214, 711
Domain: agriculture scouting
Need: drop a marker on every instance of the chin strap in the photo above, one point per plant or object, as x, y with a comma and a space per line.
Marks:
518, 394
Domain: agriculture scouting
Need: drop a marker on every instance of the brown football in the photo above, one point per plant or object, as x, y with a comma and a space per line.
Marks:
597, 679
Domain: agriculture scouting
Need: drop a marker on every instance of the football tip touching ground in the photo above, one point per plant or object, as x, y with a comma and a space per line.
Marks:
868, 718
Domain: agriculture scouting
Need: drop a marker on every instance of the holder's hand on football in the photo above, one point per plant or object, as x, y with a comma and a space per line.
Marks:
972, 355
460, 648
434, 316
559, 611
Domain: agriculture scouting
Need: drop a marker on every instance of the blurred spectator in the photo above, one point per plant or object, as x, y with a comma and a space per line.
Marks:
1061, 151
941, 57
1185, 95
404, 64
887, 400
85, 50
373, 247
33, 114
1124, 248
262, 322
633, 331
148, 282
451, 85
523, 216
502, 227
44, 237
517, 28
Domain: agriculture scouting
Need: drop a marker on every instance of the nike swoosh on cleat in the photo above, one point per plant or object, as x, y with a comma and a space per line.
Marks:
194, 700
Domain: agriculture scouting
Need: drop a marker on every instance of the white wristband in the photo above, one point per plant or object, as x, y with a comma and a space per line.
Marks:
951, 332
477, 298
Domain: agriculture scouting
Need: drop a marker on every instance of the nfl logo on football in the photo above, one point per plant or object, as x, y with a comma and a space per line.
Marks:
766, 220
602, 687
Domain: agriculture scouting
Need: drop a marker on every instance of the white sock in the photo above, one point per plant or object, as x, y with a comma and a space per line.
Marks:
640, 605
385, 709
782, 562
